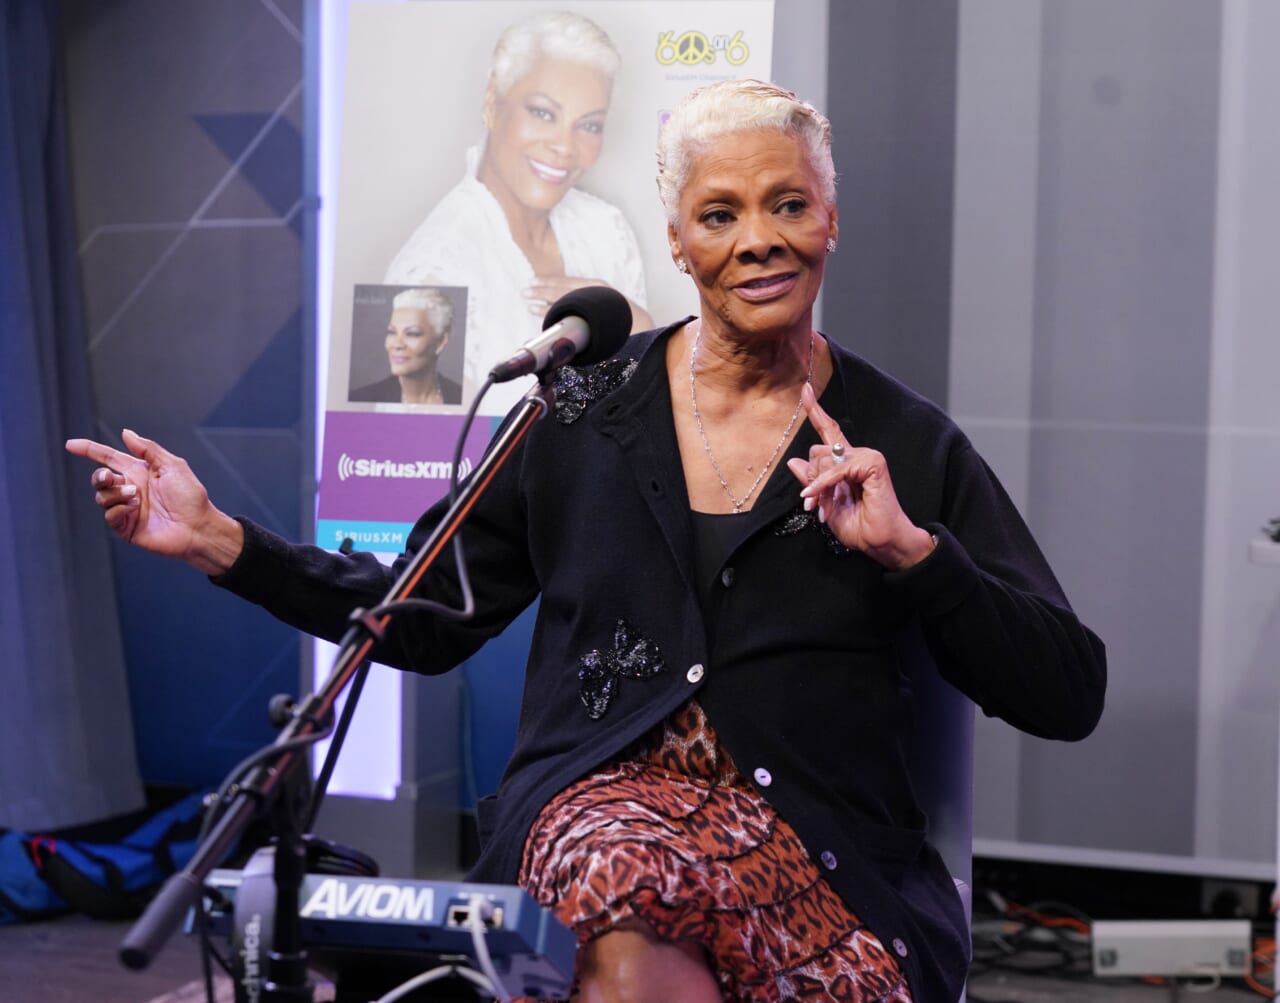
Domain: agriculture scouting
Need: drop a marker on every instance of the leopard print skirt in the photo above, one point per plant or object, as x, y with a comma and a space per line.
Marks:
672, 834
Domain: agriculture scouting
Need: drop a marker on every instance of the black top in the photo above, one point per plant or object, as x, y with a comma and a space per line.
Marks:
714, 537
387, 391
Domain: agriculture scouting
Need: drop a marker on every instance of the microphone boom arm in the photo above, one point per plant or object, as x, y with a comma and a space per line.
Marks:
257, 795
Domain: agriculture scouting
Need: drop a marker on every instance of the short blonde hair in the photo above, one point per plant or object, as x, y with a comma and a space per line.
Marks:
709, 112
437, 306
557, 33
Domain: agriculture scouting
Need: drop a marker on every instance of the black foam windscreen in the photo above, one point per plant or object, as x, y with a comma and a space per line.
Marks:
607, 314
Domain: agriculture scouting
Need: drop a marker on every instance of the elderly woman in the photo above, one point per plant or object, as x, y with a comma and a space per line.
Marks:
417, 332
737, 528
516, 231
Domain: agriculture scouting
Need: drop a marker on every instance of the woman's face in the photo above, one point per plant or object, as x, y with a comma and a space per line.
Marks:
544, 132
412, 343
753, 226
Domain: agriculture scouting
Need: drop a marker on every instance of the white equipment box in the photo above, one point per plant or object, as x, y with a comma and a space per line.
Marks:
1186, 948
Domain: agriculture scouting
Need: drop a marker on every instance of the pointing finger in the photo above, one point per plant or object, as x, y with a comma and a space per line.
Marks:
100, 453
828, 428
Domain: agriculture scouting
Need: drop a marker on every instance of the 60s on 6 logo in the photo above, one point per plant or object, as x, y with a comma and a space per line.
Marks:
693, 47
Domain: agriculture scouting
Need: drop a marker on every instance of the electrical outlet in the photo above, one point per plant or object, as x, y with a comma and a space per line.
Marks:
1186, 948
1222, 899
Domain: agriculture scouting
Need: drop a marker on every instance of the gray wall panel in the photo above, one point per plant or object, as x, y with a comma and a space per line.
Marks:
1124, 297
1131, 218
187, 168
1126, 210
1240, 652
1119, 513
891, 101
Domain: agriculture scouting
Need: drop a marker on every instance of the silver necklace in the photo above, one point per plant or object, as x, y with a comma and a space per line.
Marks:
786, 433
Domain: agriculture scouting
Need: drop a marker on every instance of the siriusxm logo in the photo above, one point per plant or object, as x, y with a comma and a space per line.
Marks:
432, 470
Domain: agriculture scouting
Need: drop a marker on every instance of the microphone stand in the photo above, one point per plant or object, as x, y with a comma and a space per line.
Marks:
259, 794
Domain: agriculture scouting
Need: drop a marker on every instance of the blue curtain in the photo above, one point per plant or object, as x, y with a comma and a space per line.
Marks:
66, 736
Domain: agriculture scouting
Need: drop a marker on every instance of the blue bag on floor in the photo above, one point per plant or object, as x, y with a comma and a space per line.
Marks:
106, 880
24, 895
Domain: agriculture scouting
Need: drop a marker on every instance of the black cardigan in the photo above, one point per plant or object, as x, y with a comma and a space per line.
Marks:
799, 663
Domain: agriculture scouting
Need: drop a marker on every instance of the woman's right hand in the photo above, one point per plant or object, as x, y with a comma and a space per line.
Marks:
544, 290
150, 498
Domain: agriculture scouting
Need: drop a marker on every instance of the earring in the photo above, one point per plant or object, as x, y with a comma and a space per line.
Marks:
682, 266
831, 245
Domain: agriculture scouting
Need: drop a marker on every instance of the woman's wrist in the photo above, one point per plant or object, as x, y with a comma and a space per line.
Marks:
906, 553
216, 545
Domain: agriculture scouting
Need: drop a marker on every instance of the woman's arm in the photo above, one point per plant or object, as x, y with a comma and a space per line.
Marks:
995, 618
152, 499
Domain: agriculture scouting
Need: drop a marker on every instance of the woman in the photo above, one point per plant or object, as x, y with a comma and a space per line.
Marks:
709, 783
417, 333
516, 231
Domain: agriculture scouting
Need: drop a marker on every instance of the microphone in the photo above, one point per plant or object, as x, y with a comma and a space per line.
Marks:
583, 326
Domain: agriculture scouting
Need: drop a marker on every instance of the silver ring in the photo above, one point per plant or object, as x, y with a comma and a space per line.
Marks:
837, 451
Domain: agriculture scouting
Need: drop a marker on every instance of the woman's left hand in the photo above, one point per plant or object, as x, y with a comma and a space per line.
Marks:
546, 289
853, 493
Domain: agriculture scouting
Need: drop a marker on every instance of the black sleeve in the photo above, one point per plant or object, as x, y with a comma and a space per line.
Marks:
995, 618
316, 590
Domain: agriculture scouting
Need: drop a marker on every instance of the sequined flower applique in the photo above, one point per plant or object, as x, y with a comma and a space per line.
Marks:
600, 673
577, 388
799, 520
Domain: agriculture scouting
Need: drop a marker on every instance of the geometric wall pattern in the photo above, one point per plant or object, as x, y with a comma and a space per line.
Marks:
187, 161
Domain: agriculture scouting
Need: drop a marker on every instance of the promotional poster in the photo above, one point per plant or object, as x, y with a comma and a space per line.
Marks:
466, 128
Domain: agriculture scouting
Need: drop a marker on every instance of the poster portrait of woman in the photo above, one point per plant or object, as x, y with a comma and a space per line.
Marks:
516, 231
400, 345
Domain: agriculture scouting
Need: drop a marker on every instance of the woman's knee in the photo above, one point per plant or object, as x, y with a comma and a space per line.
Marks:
631, 964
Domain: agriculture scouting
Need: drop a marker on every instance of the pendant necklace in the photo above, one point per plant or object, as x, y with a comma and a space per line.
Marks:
706, 445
